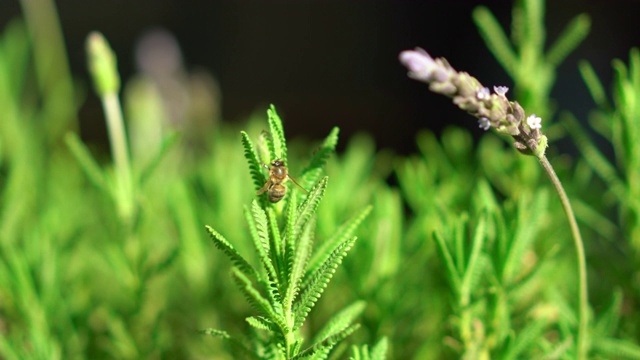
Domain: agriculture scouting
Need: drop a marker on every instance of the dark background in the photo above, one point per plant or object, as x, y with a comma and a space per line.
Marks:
334, 63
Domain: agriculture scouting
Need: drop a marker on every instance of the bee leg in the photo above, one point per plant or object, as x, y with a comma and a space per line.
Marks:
264, 188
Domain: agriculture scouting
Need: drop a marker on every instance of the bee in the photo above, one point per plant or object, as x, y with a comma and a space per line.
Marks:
278, 174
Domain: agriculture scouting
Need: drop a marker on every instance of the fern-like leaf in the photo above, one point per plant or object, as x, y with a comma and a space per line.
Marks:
311, 174
277, 133
257, 301
310, 203
291, 232
276, 246
260, 232
299, 262
261, 323
327, 344
340, 321
318, 281
344, 232
221, 243
447, 257
233, 341
252, 159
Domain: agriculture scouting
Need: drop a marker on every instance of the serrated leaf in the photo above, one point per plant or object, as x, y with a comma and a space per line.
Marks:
344, 232
310, 204
529, 213
291, 232
525, 339
259, 230
298, 266
311, 174
340, 321
257, 301
328, 343
452, 271
616, 348
215, 332
261, 323
221, 243
223, 334
318, 281
253, 162
277, 133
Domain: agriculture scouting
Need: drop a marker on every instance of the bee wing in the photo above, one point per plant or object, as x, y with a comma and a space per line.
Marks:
298, 185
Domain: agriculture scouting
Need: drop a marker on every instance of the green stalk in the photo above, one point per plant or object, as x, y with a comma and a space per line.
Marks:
104, 69
583, 299
120, 152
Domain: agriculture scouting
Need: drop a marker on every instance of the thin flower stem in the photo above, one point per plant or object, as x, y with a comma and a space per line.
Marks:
583, 299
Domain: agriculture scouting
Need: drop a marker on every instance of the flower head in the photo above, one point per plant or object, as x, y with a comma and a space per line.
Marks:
483, 94
534, 122
501, 90
422, 66
484, 123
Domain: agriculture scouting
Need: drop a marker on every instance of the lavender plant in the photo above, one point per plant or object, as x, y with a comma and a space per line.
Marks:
292, 277
494, 110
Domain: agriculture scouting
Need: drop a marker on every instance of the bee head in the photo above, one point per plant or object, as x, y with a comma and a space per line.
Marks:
277, 162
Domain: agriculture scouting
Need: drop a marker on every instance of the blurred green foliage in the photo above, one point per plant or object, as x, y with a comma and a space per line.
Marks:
468, 256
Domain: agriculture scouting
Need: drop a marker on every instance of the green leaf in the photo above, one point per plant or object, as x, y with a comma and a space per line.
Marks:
328, 343
221, 243
291, 232
252, 159
530, 211
260, 232
340, 321
474, 269
608, 322
445, 253
231, 340
261, 323
529, 336
310, 204
575, 32
616, 348
593, 156
318, 281
86, 161
380, 349
167, 144
346, 231
596, 89
495, 39
311, 174
277, 134
257, 301
302, 254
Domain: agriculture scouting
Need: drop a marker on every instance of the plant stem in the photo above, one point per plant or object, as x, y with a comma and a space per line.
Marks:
583, 299
120, 152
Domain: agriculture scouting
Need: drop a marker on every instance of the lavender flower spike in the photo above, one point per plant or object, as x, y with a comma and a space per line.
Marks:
494, 110
421, 66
